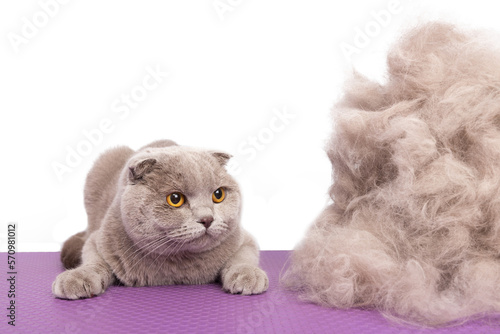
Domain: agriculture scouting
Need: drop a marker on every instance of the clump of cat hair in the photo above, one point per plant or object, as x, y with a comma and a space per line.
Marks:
414, 227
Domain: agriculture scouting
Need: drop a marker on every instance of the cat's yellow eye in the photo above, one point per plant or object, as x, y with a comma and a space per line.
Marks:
175, 199
218, 195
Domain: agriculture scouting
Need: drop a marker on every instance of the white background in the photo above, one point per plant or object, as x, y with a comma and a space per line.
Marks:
229, 70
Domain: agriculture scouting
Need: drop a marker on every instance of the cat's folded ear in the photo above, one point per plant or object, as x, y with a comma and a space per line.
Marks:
221, 157
140, 168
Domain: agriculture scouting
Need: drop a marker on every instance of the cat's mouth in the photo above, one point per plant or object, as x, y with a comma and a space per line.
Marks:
196, 238
196, 231
186, 234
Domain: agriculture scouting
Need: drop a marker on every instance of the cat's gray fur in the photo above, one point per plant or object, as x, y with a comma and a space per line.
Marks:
134, 237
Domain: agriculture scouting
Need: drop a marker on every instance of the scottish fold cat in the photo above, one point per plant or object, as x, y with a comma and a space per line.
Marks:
165, 214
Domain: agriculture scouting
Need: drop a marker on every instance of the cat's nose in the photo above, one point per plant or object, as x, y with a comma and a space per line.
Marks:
206, 221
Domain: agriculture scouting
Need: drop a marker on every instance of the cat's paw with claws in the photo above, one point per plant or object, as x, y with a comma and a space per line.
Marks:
78, 283
245, 279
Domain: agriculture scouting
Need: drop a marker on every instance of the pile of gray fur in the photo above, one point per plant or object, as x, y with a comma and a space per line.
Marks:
414, 228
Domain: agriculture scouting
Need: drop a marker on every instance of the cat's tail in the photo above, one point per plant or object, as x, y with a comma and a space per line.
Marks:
71, 253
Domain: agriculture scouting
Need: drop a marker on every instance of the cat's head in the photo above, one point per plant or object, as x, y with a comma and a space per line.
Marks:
177, 199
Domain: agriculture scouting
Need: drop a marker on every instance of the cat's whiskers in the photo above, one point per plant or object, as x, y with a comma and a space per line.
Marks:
131, 258
129, 248
156, 243
149, 252
189, 232
172, 251
133, 244
177, 248
150, 247
152, 277
178, 231
217, 229
139, 248
179, 237
166, 258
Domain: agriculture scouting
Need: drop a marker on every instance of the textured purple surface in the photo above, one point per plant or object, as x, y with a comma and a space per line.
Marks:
186, 309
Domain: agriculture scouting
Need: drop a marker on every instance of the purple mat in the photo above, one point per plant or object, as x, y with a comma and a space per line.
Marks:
185, 309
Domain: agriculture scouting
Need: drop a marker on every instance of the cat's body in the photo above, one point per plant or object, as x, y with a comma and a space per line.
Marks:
135, 237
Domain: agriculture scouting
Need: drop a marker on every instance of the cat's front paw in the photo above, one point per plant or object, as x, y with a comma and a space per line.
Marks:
245, 279
78, 283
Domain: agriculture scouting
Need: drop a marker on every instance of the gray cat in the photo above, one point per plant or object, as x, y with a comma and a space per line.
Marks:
165, 214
